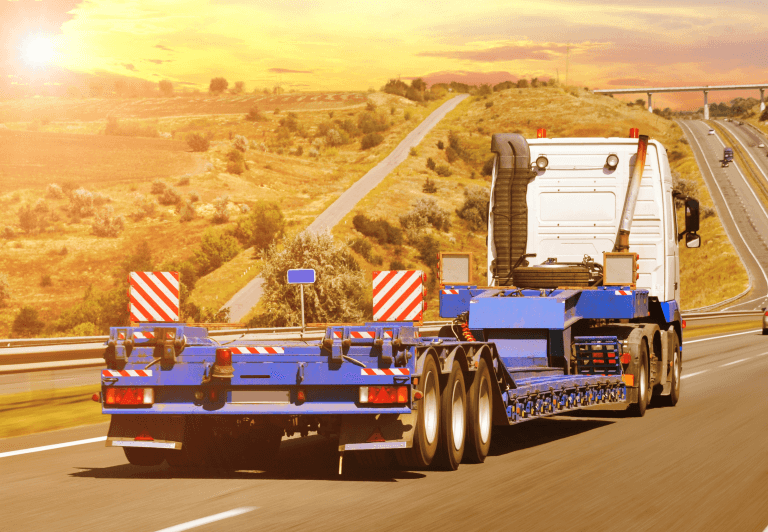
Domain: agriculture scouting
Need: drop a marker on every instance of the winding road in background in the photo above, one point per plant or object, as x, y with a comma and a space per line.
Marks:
744, 217
248, 296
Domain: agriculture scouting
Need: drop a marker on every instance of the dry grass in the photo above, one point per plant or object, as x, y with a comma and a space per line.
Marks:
44, 410
303, 186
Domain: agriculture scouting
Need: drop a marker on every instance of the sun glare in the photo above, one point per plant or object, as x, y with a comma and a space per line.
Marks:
38, 50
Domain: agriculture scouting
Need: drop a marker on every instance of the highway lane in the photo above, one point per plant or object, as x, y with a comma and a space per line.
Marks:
743, 216
701, 465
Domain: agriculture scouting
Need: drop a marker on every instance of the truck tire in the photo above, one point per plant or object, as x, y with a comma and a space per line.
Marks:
479, 415
427, 432
550, 276
144, 457
677, 368
643, 393
193, 449
453, 421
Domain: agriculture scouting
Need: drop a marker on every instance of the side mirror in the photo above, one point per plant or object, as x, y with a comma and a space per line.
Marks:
692, 240
691, 217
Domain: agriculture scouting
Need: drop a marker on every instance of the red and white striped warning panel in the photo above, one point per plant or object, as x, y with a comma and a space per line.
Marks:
146, 335
261, 350
623, 292
398, 295
387, 334
449, 291
362, 334
154, 296
126, 373
391, 371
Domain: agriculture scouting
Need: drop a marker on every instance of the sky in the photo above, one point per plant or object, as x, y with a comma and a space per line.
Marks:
357, 44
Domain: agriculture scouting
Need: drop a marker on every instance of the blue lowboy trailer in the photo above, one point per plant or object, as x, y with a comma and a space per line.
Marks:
562, 334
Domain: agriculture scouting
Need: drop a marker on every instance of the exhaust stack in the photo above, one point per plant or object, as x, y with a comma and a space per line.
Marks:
633, 190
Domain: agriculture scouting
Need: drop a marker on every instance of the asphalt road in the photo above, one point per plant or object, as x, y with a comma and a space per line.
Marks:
701, 465
745, 219
245, 299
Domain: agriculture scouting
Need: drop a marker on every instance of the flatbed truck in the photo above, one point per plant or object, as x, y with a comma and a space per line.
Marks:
553, 330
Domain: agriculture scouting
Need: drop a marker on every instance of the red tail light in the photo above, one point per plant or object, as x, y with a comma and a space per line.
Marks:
683, 324
301, 396
223, 357
766, 313
144, 436
130, 396
626, 358
384, 394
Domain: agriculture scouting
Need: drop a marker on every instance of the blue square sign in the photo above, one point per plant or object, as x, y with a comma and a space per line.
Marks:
301, 276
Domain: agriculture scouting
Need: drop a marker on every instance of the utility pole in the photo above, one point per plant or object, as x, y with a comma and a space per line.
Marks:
567, 53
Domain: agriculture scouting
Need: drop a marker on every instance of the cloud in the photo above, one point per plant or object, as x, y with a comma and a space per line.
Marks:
468, 77
289, 71
517, 51
159, 61
129, 66
628, 81
161, 47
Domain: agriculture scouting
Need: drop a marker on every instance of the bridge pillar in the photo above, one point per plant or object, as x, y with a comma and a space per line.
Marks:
762, 100
650, 107
706, 107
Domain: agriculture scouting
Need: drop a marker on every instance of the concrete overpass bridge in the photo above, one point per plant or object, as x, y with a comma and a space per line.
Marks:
705, 89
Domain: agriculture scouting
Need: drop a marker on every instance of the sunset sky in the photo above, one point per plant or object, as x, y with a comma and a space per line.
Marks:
354, 45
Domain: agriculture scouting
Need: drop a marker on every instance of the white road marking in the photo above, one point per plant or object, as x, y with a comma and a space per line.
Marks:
210, 519
54, 446
734, 362
693, 374
718, 337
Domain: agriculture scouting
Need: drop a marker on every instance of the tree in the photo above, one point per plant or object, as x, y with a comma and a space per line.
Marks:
419, 84
166, 87
4, 290
239, 87
522, 83
216, 248
339, 294
218, 85
27, 323
262, 227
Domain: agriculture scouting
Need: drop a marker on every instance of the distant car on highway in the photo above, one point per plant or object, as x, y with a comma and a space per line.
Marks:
765, 321
761, 145
711, 131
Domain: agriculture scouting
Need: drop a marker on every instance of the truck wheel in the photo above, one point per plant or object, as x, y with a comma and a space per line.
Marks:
643, 394
427, 431
193, 449
674, 392
479, 415
144, 457
453, 423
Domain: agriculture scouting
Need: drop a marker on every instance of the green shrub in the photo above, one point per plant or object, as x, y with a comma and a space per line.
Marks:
216, 248
407, 114
221, 214
261, 227
379, 229
370, 140
340, 294
143, 206
488, 166
27, 324
5, 292
170, 197
443, 170
488, 105
428, 248
475, 207
199, 142
184, 181
254, 115
54, 191
396, 265
369, 122
105, 224
187, 212
430, 163
413, 152
45, 280
158, 187
440, 145
81, 203
429, 186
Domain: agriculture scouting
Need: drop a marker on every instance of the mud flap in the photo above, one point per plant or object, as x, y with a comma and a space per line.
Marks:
149, 431
377, 431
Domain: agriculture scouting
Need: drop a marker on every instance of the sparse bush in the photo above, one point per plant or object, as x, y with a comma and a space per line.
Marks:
100, 199
396, 265
216, 248
428, 248
261, 227
369, 122
184, 181
488, 166
170, 197
381, 230
370, 106
440, 145
443, 170
457, 147
143, 206
407, 114
488, 105
313, 152
8, 232
299, 151
63, 251
450, 154
27, 324
254, 115
129, 129
425, 211
199, 142
475, 207
187, 212
764, 115
236, 162
27, 218
45, 280
244, 208
370, 140
392, 110
194, 196
222, 211
708, 212
158, 187
240, 143
686, 187
54, 191
105, 224
218, 85
429, 186
81, 203
334, 137
338, 295
430, 163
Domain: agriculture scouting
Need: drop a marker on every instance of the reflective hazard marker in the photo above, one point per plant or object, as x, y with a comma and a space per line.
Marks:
398, 295
154, 296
